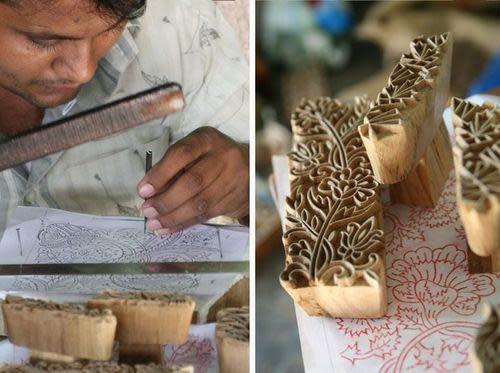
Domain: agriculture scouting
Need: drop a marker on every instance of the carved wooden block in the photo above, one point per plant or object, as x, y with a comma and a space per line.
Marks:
477, 165
333, 240
485, 352
232, 337
406, 116
58, 331
424, 185
147, 320
237, 296
91, 367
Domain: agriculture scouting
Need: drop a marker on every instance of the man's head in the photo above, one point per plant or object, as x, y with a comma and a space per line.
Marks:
49, 48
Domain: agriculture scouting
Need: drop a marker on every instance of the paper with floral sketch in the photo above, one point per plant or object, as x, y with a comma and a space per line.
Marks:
434, 303
42, 235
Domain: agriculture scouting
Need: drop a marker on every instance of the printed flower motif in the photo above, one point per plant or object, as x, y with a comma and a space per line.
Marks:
439, 355
207, 35
357, 327
399, 232
460, 233
198, 352
437, 279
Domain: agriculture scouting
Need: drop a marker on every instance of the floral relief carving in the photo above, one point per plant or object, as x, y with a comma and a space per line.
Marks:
232, 335
234, 323
407, 113
333, 235
477, 164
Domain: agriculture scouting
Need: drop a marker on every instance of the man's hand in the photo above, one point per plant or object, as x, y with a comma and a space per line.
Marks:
202, 176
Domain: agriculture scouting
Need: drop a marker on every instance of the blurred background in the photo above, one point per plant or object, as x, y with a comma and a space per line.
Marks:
341, 49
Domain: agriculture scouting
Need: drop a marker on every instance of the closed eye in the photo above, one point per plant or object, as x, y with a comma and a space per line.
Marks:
45, 44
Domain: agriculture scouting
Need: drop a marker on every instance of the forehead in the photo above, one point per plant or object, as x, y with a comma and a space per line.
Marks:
80, 16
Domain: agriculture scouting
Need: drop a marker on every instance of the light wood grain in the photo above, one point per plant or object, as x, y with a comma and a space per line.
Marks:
148, 317
232, 338
477, 165
58, 329
237, 296
425, 184
406, 116
37, 356
334, 244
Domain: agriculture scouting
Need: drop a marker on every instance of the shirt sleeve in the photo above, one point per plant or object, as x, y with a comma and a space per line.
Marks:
12, 187
214, 72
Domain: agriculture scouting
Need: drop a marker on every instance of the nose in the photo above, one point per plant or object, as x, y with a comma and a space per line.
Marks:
77, 62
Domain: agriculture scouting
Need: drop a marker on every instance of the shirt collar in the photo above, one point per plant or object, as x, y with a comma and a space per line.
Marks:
111, 68
124, 51
105, 81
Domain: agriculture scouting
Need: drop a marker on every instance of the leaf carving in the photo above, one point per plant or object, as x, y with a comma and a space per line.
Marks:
477, 133
398, 119
332, 233
477, 159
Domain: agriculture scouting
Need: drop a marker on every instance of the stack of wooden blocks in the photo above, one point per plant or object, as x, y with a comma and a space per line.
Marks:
77, 338
344, 153
60, 333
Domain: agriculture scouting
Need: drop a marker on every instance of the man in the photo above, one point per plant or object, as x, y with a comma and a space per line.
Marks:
61, 57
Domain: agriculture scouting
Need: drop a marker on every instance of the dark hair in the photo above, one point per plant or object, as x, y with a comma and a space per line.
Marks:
122, 9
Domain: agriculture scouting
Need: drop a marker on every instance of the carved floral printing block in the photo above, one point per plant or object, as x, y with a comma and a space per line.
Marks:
406, 116
485, 353
89, 367
477, 164
333, 240
55, 331
148, 317
232, 335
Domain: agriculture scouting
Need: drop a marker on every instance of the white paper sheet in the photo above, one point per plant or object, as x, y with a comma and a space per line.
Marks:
434, 304
42, 235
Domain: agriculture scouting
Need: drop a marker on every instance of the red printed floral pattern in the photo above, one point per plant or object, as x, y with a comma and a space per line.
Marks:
198, 352
433, 301
435, 279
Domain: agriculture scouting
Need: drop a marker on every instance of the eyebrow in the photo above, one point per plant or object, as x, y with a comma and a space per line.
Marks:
49, 36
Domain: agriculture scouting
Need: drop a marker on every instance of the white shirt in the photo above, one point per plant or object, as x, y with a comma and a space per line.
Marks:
183, 41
